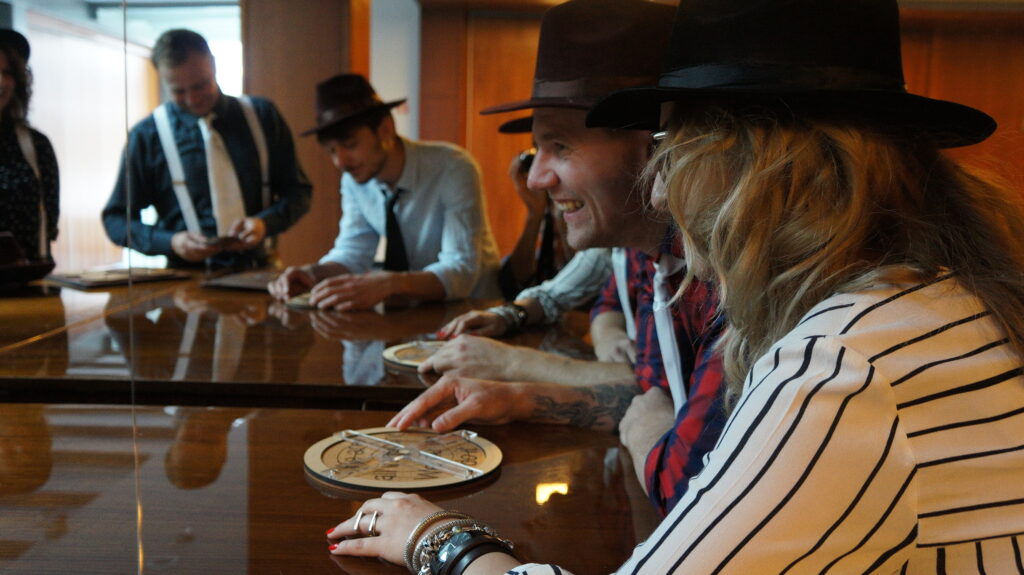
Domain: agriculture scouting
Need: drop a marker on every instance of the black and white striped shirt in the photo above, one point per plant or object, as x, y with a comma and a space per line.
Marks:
884, 434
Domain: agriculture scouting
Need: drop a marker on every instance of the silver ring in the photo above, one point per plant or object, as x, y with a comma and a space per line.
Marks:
373, 523
355, 524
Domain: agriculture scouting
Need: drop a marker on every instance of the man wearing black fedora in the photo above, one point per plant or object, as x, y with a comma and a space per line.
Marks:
587, 49
221, 171
424, 199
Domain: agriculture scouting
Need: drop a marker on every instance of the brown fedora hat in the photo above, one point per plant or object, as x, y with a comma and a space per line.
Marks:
806, 54
14, 39
346, 98
590, 48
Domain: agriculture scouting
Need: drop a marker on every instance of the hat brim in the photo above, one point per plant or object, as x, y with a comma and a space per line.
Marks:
950, 124
574, 103
517, 126
354, 117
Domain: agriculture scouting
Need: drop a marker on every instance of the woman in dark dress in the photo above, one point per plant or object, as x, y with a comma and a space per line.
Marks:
29, 180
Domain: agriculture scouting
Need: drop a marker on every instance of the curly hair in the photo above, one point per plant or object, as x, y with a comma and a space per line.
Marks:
17, 110
783, 209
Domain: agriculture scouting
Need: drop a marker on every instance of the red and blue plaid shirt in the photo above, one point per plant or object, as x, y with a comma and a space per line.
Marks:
679, 454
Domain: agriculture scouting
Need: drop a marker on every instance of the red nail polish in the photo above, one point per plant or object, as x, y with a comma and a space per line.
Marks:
329, 531
332, 547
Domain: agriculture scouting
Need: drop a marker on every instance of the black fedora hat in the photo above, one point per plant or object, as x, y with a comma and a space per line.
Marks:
590, 48
822, 54
346, 98
14, 39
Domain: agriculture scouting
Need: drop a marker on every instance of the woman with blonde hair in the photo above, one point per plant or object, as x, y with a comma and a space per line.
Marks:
873, 292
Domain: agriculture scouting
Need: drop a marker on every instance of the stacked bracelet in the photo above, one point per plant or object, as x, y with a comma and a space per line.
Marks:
410, 544
458, 538
463, 548
513, 314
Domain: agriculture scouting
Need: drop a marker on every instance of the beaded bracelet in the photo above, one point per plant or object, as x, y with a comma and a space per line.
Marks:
410, 544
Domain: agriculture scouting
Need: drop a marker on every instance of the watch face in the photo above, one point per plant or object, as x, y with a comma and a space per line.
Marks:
382, 458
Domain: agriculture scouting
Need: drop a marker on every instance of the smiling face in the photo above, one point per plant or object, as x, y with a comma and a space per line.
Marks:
590, 175
192, 85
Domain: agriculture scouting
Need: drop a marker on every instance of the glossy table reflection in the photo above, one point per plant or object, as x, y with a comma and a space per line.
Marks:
107, 489
180, 343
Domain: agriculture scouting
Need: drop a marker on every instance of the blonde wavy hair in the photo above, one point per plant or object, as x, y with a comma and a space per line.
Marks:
782, 210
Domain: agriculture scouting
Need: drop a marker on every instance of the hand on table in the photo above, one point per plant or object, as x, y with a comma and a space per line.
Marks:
345, 292
472, 356
453, 401
293, 281
476, 322
397, 515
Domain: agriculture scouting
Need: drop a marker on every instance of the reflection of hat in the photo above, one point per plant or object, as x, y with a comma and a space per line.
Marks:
805, 53
589, 48
345, 98
13, 39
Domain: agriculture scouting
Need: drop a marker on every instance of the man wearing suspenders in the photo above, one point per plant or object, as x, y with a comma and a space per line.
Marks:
220, 171
587, 49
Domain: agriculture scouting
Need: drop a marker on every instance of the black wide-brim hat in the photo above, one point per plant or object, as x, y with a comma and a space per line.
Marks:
17, 41
835, 54
591, 48
346, 99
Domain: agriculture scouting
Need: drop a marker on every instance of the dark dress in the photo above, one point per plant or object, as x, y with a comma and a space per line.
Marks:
20, 190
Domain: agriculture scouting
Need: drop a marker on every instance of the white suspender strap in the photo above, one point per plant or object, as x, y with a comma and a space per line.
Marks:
622, 285
170, 148
667, 266
256, 129
29, 151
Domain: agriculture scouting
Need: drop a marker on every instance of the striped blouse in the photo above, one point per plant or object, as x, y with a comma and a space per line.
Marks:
884, 434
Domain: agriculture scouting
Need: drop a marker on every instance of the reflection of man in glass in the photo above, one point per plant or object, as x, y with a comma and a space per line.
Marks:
26, 457
200, 447
220, 171
194, 335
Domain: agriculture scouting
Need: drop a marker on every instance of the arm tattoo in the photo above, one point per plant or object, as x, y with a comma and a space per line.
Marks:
598, 407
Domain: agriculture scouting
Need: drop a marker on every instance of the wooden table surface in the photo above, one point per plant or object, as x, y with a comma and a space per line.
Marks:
93, 489
179, 343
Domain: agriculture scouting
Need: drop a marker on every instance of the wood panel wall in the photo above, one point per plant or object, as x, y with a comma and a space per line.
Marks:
287, 52
472, 58
476, 53
974, 58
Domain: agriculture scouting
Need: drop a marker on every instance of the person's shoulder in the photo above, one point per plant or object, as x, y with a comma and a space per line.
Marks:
262, 106
870, 317
145, 127
437, 151
39, 139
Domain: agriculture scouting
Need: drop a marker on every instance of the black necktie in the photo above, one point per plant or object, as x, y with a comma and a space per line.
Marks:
395, 259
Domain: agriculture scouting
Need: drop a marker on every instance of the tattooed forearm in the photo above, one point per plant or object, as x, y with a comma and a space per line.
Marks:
596, 406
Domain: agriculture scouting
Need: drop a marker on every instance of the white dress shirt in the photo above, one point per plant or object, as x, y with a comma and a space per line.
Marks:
442, 213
